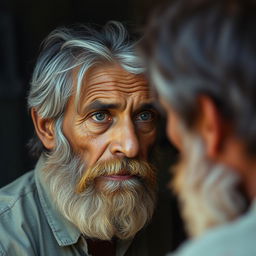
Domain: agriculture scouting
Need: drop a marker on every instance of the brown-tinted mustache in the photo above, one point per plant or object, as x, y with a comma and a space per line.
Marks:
141, 169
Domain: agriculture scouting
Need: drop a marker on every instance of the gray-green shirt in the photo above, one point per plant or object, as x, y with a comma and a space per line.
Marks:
237, 238
31, 225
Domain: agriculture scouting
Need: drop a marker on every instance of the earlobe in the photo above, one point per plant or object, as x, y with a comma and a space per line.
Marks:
210, 126
44, 129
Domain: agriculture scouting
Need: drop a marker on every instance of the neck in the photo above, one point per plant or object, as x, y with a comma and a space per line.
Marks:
248, 176
250, 185
235, 155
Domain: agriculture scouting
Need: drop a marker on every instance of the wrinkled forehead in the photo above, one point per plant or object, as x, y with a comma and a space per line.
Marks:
112, 82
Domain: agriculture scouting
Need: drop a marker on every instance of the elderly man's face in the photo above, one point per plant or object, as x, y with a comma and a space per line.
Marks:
100, 180
115, 118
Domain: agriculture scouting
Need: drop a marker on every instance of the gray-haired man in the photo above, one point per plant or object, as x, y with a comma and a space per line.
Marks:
93, 189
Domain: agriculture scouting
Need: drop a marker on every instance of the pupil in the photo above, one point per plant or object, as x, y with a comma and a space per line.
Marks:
145, 116
100, 116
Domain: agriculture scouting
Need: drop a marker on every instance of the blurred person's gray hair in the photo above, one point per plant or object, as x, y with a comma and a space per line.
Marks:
206, 47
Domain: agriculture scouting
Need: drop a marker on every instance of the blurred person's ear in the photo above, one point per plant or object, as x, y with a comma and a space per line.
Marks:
210, 126
44, 129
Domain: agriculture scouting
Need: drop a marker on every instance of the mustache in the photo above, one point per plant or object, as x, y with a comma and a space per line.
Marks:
141, 169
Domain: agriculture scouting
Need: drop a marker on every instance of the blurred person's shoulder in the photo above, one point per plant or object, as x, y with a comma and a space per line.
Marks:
236, 238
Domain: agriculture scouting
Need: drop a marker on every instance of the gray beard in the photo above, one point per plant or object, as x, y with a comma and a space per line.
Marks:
208, 192
119, 209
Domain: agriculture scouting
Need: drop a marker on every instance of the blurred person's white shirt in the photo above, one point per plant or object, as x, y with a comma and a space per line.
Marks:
236, 238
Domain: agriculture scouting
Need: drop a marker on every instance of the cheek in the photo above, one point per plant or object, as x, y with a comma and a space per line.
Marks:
97, 148
82, 143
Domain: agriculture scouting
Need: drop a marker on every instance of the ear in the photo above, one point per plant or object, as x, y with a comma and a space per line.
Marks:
210, 126
44, 129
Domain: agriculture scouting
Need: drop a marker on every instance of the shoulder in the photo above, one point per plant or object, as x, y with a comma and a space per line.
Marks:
19, 213
15, 192
234, 239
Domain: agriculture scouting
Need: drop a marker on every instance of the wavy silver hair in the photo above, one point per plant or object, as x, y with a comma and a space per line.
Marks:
67, 50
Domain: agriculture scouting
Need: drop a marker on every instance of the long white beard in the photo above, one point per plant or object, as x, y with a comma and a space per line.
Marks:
208, 192
119, 209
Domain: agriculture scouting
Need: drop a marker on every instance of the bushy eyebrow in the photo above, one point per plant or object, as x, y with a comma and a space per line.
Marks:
97, 104
147, 106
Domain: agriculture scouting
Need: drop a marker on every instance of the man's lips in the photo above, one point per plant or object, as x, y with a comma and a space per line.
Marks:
118, 177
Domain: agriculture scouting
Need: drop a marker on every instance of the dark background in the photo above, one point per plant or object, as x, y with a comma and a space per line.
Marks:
23, 26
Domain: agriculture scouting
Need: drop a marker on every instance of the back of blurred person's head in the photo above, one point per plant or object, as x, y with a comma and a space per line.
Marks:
202, 61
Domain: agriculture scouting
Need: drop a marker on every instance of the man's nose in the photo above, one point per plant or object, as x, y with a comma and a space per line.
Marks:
125, 141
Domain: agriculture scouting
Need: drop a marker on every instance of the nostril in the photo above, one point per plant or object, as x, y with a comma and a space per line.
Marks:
119, 153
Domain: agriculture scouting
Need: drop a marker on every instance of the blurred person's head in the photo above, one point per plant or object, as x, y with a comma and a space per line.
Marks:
95, 122
202, 60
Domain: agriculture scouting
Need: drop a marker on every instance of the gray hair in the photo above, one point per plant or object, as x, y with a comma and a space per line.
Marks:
207, 47
67, 50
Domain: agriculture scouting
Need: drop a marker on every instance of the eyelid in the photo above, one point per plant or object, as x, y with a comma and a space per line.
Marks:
94, 112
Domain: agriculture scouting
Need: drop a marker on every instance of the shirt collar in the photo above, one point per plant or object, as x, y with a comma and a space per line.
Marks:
64, 231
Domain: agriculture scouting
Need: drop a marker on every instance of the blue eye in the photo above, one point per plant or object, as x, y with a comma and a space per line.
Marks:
145, 116
100, 117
